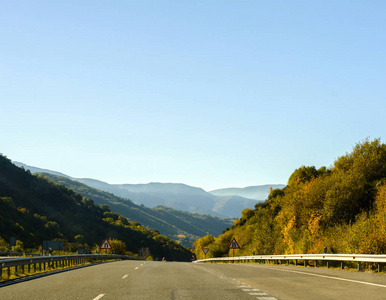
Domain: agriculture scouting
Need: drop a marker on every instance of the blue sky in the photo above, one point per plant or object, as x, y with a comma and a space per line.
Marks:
209, 93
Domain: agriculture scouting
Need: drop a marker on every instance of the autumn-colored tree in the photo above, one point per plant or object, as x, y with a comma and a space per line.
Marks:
342, 207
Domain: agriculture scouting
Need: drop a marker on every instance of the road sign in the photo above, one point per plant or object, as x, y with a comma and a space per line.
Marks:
205, 250
234, 244
105, 244
54, 245
12, 241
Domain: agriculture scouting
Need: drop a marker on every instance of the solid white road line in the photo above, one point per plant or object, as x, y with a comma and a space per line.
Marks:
100, 296
330, 277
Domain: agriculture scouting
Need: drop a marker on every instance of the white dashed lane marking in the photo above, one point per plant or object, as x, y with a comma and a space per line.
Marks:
100, 296
256, 292
125, 276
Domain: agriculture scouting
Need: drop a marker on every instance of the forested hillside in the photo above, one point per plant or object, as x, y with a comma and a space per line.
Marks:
342, 207
181, 226
34, 209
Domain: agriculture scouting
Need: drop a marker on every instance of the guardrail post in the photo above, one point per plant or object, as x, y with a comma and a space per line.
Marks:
380, 267
342, 265
359, 266
328, 264
296, 262
9, 272
305, 263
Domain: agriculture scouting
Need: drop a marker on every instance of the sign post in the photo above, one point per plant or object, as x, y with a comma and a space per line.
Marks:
205, 251
233, 245
105, 245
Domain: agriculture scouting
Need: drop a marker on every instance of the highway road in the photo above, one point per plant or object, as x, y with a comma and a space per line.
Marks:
173, 280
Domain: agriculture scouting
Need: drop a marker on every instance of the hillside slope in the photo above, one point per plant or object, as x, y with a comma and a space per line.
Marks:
181, 226
33, 209
342, 208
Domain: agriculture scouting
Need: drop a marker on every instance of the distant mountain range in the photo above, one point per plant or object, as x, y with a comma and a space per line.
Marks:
251, 192
225, 203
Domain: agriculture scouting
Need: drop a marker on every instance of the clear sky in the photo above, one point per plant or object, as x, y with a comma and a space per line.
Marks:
212, 94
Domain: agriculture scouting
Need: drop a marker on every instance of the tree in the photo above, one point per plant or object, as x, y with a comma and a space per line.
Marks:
117, 246
302, 175
79, 238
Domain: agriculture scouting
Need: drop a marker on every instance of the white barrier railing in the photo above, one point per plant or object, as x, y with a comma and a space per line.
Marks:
359, 258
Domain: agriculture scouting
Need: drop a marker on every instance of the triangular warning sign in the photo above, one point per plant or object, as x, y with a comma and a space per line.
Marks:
234, 244
205, 250
105, 244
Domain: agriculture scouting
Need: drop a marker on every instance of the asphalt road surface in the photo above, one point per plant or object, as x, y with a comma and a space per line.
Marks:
173, 280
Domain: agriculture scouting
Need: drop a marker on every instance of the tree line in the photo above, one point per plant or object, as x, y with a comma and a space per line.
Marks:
342, 207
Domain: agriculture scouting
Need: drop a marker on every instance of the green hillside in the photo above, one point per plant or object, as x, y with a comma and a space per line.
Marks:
34, 209
342, 208
181, 226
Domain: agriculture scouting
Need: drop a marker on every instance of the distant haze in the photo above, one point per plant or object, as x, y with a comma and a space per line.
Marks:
260, 192
228, 202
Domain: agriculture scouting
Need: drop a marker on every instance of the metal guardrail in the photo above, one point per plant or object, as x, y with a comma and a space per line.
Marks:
358, 258
54, 261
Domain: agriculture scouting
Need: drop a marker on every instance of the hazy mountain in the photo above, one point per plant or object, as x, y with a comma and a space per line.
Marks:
192, 199
259, 192
175, 195
181, 196
225, 205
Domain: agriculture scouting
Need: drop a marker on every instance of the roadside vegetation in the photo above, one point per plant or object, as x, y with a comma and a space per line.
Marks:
342, 207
